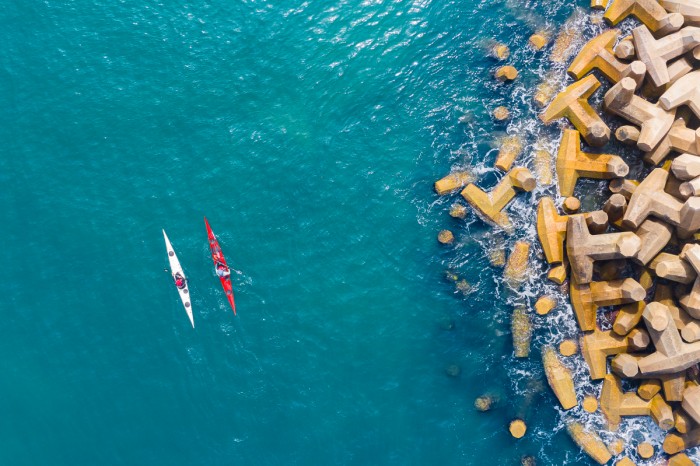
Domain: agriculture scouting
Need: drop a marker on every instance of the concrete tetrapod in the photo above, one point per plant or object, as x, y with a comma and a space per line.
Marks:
691, 302
515, 271
589, 442
679, 139
672, 354
649, 198
490, 205
655, 235
573, 163
510, 148
654, 122
521, 329
685, 91
559, 378
656, 53
598, 54
691, 402
674, 443
585, 299
572, 103
690, 9
598, 345
615, 403
648, 12
583, 249
672, 267
453, 182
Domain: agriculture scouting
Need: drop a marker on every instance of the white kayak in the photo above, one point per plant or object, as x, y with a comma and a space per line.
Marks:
175, 268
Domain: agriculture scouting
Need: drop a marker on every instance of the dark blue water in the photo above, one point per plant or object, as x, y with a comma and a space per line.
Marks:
310, 135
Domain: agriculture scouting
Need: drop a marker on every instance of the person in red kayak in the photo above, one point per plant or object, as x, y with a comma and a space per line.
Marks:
222, 271
179, 281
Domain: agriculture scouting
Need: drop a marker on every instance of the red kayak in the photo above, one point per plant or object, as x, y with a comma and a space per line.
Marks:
222, 270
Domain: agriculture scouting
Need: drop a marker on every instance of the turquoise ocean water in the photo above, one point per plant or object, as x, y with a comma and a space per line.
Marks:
309, 133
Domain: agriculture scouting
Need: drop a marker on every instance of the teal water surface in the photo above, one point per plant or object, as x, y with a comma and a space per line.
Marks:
309, 133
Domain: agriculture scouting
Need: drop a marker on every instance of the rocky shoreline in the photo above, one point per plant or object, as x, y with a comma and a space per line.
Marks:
636, 259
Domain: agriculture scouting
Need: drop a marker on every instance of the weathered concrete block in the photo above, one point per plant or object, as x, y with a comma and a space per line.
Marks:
510, 148
681, 459
682, 422
628, 317
654, 122
615, 403
673, 385
498, 50
586, 298
599, 4
568, 347
589, 442
551, 230
454, 181
690, 188
623, 186
515, 271
546, 90
558, 273
691, 301
649, 198
615, 207
625, 365
544, 305
648, 12
500, 113
573, 163
685, 91
648, 388
671, 267
677, 68
489, 206
583, 249
674, 443
598, 345
672, 354
568, 35
458, 210
624, 50
521, 329
598, 54
655, 235
645, 450
506, 73
517, 428
690, 9
572, 103
559, 378
691, 402
664, 295
679, 139
656, 53
543, 167
446, 237
539, 39
686, 166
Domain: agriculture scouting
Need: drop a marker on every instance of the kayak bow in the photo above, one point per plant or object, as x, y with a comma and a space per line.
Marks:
218, 257
175, 268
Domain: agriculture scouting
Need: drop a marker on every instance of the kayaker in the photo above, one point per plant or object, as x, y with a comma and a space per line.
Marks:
222, 271
179, 281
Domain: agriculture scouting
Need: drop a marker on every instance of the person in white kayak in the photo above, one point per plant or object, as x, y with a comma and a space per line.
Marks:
222, 271
180, 281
